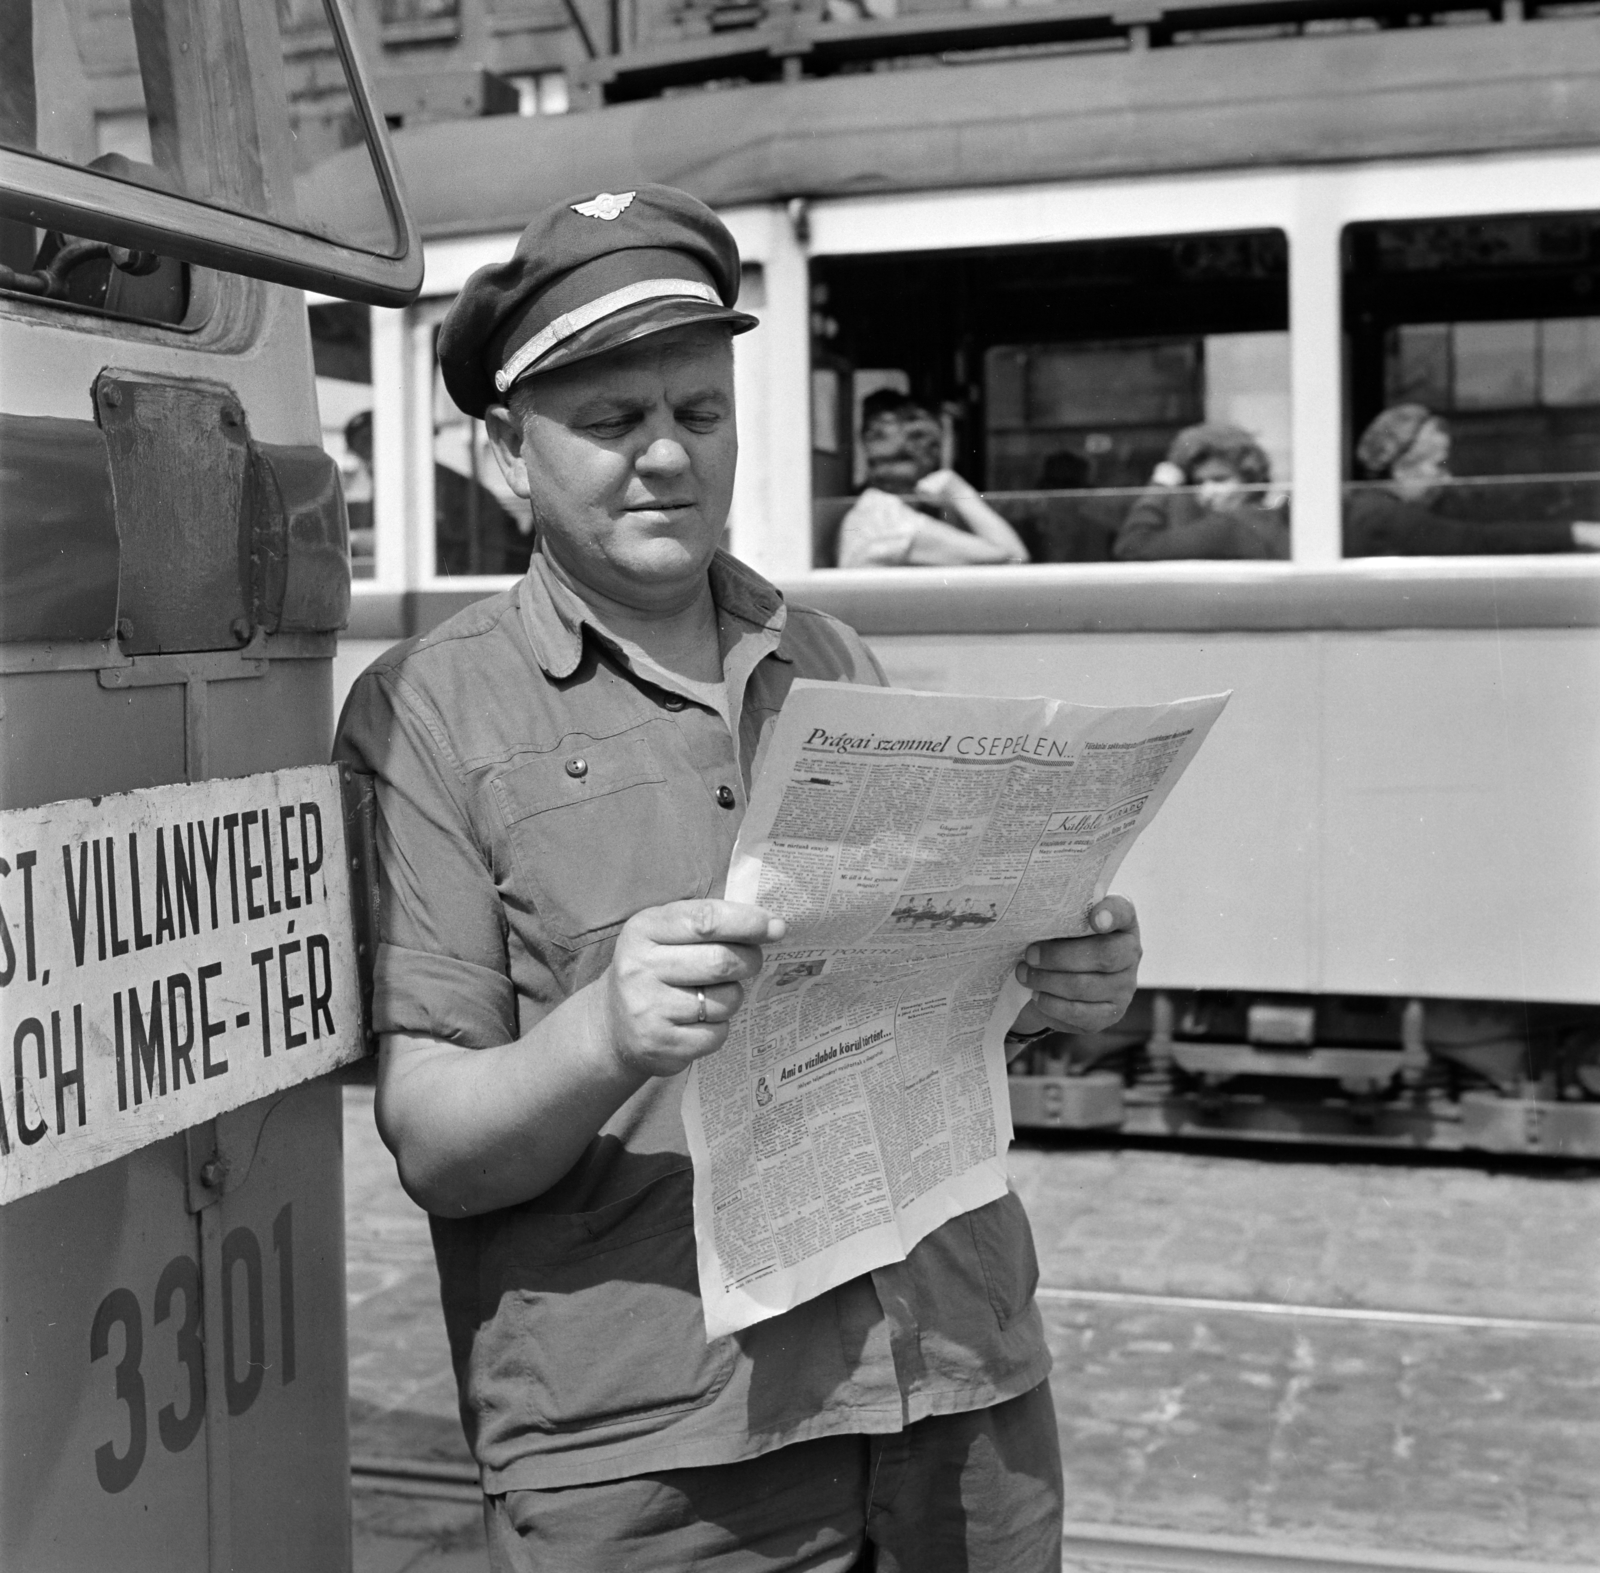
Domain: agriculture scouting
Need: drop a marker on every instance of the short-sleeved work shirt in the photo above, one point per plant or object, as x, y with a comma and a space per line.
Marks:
535, 789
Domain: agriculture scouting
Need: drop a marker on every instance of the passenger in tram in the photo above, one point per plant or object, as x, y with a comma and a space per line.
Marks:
1407, 449
560, 771
1206, 500
899, 516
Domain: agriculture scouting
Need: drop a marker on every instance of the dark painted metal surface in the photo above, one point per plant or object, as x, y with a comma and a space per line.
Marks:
1136, 598
58, 533
180, 458
220, 536
300, 545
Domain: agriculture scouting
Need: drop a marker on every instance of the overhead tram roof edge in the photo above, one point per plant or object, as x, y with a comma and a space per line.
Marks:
1281, 102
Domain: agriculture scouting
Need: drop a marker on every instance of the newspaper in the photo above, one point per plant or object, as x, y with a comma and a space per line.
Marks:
915, 844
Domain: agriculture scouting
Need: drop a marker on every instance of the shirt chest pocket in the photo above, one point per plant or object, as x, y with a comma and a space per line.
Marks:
597, 833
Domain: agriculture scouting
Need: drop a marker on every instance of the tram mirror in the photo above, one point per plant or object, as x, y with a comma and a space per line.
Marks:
234, 134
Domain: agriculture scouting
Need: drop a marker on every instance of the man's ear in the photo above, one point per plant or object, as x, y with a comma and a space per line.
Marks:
504, 432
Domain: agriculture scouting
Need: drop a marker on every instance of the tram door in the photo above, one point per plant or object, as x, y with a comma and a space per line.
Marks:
173, 570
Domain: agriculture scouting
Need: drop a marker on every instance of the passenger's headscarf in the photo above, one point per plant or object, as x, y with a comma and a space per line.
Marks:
1232, 444
1386, 440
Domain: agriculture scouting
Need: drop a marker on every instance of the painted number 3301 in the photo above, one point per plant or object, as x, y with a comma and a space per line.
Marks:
244, 1351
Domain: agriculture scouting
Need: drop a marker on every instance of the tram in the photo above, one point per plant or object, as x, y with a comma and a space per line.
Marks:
173, 573
1372, 911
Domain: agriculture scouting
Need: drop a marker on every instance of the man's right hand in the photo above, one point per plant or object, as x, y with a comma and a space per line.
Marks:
667, 958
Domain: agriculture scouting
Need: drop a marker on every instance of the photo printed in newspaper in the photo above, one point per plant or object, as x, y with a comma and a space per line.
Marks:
915, 845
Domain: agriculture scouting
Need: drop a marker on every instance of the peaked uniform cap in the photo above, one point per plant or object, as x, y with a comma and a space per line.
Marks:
596, 271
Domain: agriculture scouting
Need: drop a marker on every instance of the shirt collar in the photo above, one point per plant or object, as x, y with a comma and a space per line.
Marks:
554, 616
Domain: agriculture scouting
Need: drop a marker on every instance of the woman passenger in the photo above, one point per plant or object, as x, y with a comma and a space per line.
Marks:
898, 519
1407, 449
1218, 512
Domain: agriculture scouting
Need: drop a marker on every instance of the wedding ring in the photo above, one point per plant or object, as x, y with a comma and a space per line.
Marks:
700, 994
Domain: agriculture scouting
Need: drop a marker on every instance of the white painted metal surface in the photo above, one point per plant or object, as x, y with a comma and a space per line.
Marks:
1387, 812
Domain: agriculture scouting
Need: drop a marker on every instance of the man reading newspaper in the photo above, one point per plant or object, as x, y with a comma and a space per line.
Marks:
561, 773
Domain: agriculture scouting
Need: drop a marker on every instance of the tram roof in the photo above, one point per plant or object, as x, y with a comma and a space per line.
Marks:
1260, 104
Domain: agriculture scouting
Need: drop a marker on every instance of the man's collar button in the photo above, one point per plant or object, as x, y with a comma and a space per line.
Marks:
674, 701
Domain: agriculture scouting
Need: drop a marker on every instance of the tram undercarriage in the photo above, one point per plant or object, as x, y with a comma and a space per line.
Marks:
1440, 1075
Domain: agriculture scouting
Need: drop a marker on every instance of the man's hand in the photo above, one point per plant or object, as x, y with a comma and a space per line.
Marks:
667, 959
1087, 984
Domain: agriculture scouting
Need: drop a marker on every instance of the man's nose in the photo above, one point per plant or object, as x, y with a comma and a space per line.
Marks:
664, 456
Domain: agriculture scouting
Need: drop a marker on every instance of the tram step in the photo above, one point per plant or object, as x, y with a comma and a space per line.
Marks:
1075, 1103
1373, 1067
1491, 1123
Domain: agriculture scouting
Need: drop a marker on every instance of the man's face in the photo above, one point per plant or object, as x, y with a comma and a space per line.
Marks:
628, 460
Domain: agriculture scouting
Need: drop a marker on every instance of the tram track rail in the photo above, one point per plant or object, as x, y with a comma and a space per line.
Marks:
1114, 1548
1441, 1320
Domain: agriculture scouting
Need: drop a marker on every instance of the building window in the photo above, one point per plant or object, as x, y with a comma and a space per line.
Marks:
541, 92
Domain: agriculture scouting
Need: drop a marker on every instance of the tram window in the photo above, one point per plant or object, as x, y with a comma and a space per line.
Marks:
243, 107
480, 525
1123, 398
341, 349
1474, 385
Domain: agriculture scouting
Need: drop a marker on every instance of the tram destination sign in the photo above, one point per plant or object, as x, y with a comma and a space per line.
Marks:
167, 955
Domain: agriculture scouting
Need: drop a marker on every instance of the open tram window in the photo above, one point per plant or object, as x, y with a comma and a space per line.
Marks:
1474, 385
141, 137
1106, 399
341, 350
480, 526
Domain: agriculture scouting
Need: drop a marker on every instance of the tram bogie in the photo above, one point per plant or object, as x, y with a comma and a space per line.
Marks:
1444, 1075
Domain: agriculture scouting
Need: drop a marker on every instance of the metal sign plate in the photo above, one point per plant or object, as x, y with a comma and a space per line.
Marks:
167, 955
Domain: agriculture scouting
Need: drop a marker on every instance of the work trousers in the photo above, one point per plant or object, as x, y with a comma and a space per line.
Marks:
978, 1492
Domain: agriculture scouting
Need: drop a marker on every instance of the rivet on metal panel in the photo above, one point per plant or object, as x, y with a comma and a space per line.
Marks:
111, 395
214, 1173
241, 629
124, 628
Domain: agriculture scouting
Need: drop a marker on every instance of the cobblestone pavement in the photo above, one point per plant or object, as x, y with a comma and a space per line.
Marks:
1466, 1437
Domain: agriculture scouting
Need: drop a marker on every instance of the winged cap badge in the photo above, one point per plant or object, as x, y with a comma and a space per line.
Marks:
608, 205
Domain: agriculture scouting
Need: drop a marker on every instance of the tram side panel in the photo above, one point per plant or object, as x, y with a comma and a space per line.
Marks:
1388, 813
172, 1354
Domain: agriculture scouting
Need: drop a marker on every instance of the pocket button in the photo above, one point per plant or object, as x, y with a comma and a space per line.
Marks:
577, 768
725, 796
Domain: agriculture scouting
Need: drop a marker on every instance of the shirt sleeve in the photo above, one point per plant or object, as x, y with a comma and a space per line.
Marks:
441, 968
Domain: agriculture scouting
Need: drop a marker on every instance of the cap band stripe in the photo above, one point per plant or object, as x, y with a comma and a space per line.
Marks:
592, 311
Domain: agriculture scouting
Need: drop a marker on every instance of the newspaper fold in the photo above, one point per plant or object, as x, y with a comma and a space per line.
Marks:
915, 844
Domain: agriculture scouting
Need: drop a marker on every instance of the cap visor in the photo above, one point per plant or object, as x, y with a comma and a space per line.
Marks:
633, 323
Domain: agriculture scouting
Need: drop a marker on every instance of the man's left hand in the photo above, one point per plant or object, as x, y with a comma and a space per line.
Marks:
1086, 984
